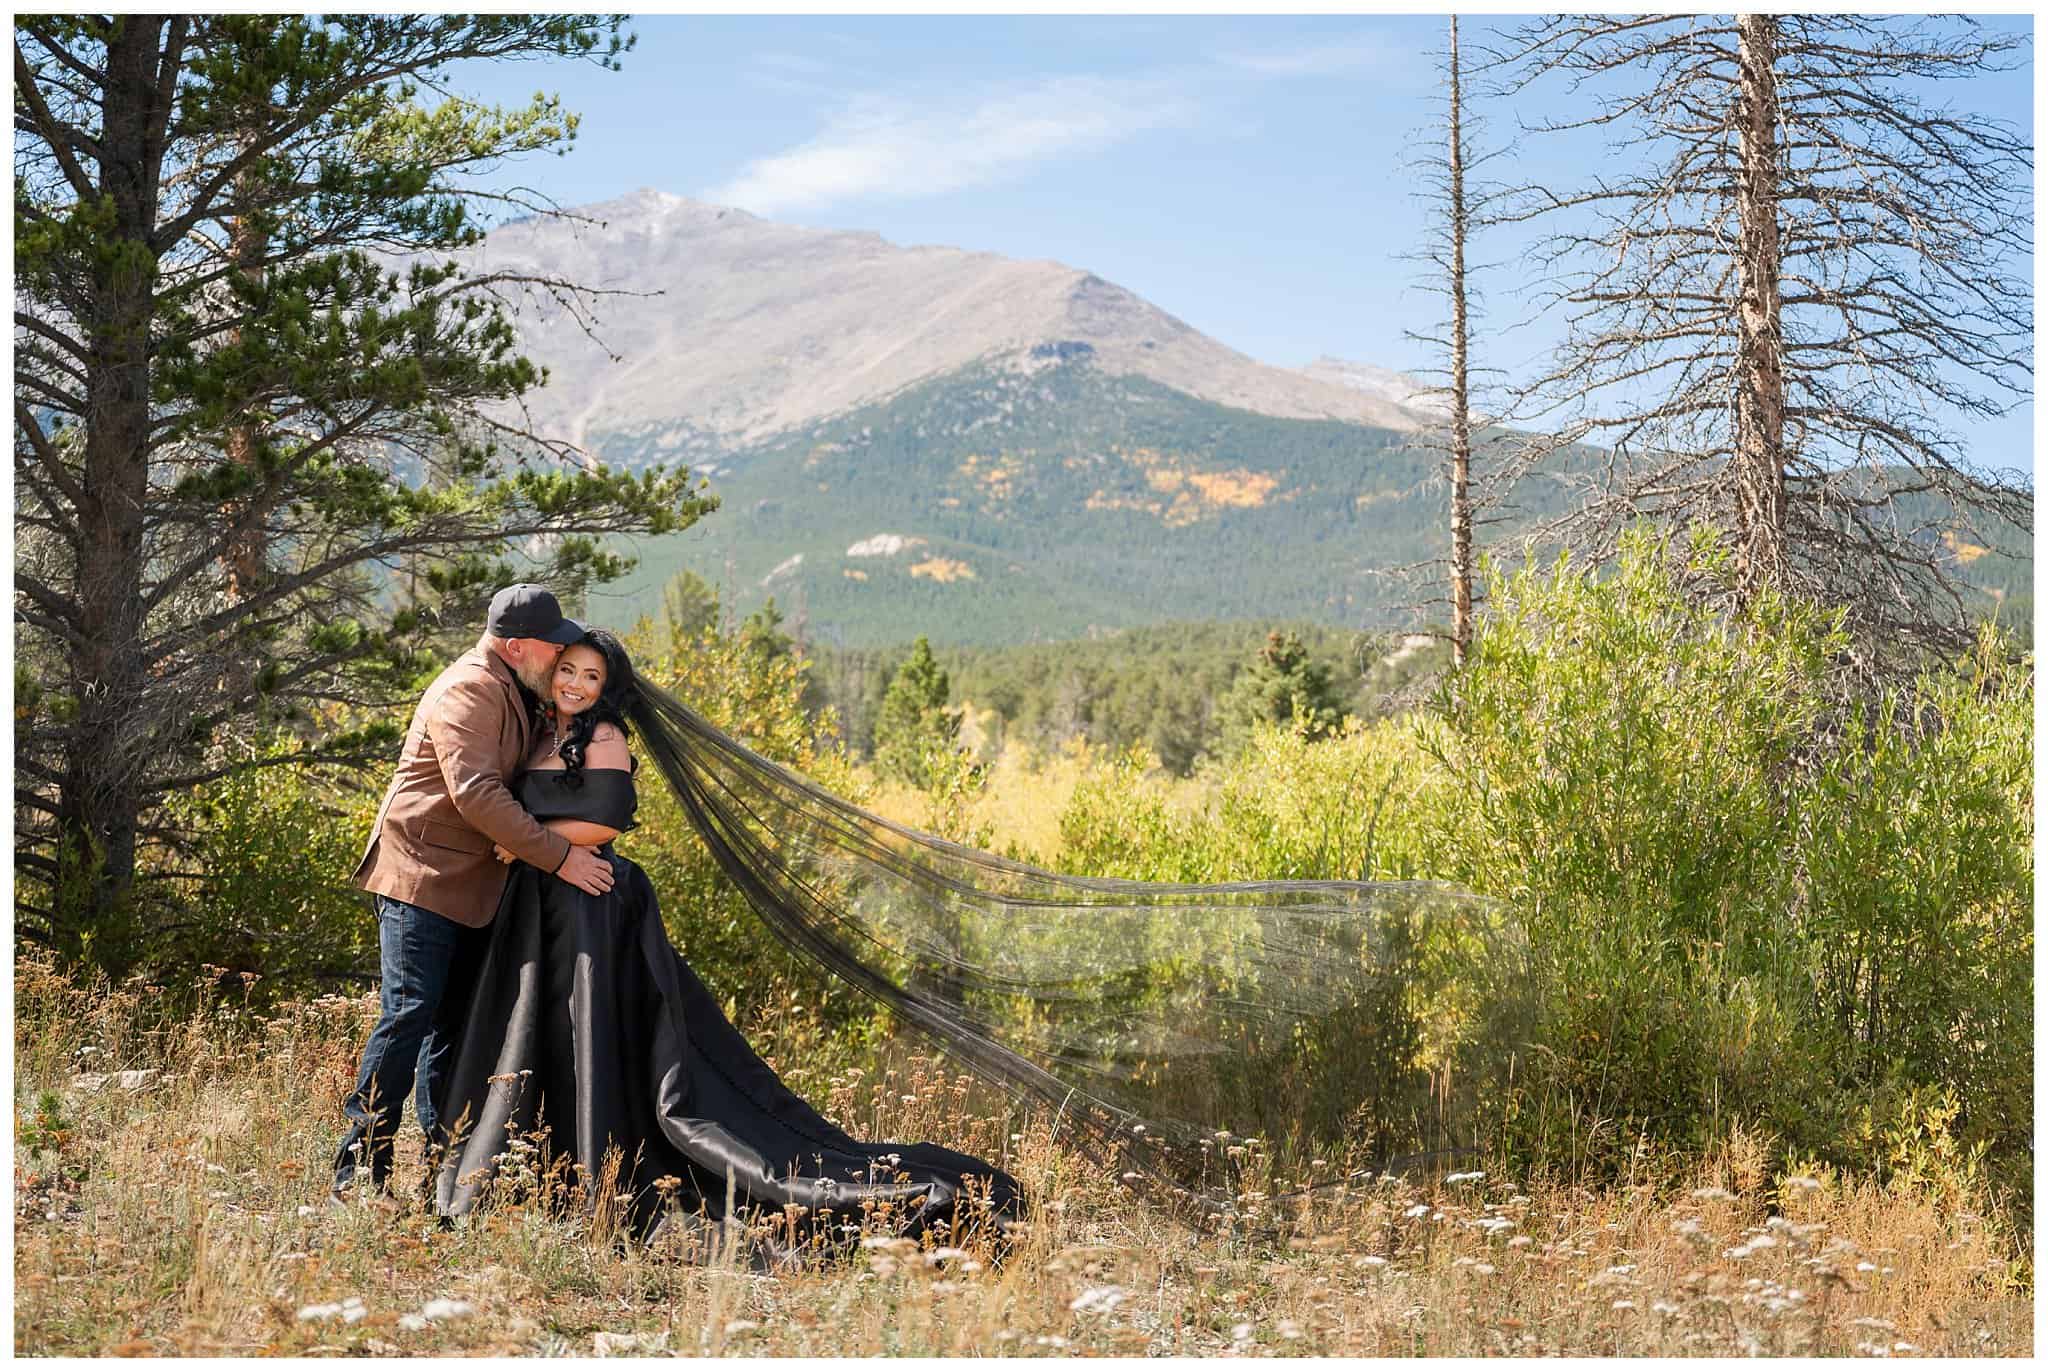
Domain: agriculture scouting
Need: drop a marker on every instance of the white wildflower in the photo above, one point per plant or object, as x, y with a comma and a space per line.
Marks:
888, 1242
1098, 1300
348, 1310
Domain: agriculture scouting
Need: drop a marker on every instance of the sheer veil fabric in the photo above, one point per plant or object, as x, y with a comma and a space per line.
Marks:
1160, 1021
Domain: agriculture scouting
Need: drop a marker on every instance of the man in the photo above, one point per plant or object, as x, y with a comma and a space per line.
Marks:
431, 870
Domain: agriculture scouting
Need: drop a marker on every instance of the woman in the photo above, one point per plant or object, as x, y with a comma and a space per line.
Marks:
587, 1022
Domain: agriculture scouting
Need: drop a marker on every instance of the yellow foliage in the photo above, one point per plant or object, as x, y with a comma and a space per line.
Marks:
1103, 500
942, 569
1245, 489
1966, 553
1194, 493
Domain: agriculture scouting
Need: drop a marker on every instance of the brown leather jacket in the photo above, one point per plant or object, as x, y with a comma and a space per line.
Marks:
430, 845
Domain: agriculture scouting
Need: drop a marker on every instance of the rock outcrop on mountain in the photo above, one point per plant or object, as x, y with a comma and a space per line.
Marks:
1402, 389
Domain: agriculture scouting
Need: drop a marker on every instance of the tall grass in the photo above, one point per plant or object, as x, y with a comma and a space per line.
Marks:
184, 1213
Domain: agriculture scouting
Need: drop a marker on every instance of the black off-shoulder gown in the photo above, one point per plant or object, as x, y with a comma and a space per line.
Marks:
586, 1019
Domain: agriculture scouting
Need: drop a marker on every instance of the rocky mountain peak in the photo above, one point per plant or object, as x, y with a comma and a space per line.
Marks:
732, 328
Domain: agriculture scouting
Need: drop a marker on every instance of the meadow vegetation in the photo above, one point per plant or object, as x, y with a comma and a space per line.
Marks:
1777, 1098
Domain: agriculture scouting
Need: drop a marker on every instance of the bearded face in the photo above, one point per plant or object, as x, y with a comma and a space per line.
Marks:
536, 665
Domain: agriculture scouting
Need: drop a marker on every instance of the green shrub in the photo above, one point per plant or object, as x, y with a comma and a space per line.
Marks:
265, 889
1752, 899
1747, 896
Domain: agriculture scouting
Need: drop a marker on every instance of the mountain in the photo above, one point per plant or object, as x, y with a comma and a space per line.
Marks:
996, 505
985, 451
731, 328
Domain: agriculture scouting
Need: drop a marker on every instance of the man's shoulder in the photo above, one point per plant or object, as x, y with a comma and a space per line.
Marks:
471, 676
474, 662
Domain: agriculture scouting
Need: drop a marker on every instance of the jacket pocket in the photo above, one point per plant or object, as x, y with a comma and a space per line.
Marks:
449, 836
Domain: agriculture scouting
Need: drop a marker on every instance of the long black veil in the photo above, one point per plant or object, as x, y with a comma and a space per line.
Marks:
1167, 1025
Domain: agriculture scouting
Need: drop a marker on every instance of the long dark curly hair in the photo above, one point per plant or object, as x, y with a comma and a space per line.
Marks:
620, 696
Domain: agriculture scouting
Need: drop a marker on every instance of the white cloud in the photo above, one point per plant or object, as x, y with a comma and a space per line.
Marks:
885, 146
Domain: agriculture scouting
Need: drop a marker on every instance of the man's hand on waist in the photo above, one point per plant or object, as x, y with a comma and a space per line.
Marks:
586, 870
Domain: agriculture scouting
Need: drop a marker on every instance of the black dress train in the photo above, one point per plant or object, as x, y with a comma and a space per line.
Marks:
586, 1018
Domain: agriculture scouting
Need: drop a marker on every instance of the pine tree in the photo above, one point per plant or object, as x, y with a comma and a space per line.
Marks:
915, 724
689, 606
265, 463
1282, 685
761, 632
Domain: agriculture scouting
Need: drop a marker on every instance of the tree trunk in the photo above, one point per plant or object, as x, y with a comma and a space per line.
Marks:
100, 800
1759, 437
245, 554
1461, 418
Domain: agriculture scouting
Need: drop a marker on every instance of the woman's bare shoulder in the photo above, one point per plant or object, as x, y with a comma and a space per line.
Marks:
608, 748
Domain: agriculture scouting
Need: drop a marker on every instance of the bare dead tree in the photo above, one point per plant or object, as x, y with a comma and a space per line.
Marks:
1458, 207
1799, 273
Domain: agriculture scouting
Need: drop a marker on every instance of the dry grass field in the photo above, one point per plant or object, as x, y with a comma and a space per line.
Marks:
170, 1181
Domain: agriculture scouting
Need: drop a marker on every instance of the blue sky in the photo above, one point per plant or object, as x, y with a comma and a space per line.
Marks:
1244, 174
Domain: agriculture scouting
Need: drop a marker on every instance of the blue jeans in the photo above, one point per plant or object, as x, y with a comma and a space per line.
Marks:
428, 964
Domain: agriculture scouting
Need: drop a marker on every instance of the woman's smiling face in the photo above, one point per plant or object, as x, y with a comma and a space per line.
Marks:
579, 679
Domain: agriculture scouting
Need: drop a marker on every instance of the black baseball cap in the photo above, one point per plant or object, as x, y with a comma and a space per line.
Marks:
529, 611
